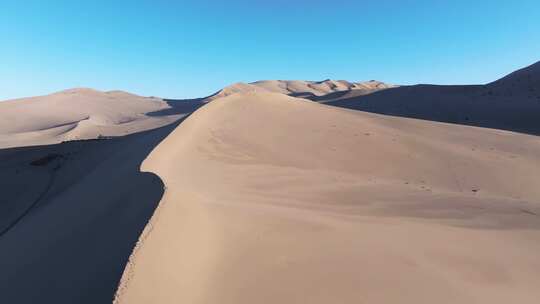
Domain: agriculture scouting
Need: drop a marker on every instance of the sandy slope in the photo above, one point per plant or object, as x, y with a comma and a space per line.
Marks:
272, 199
301, 88
77, 114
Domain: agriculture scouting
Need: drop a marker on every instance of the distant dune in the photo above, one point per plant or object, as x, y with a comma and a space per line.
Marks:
77, 114
511, 103
274, 199
300, 88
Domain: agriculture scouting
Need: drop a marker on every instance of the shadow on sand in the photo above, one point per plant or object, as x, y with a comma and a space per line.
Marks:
179, 106
71, 246
466, 105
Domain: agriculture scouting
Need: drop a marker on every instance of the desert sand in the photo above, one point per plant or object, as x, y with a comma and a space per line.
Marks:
274, 199
274, 192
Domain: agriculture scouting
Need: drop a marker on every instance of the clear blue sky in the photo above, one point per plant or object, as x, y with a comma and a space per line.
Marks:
181, 49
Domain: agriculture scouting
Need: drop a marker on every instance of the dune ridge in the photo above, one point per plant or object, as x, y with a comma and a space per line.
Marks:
273, 199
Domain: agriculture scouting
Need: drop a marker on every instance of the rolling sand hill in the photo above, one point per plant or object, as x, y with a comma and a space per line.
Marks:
77, 114
300, 88
511, 103
274, 199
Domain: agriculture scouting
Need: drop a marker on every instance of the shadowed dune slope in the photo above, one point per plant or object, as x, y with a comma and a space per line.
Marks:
77, 114
70, 215
524, 82
511, 103
273, 199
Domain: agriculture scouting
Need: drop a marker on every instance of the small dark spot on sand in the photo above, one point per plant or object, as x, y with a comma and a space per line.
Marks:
528, 212
43, 161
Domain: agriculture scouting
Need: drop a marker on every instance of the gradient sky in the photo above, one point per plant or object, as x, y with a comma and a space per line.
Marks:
181, 49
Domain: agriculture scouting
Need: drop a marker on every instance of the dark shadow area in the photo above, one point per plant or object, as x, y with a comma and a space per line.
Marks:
342, 94
467, 105
179, 106
71, 246
306, 95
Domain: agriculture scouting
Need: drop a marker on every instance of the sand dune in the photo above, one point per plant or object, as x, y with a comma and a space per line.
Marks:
300, 88
511, 103
77, 114
268, 198
274, 199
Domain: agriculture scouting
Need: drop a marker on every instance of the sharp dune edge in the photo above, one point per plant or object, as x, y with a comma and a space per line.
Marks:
273, 199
